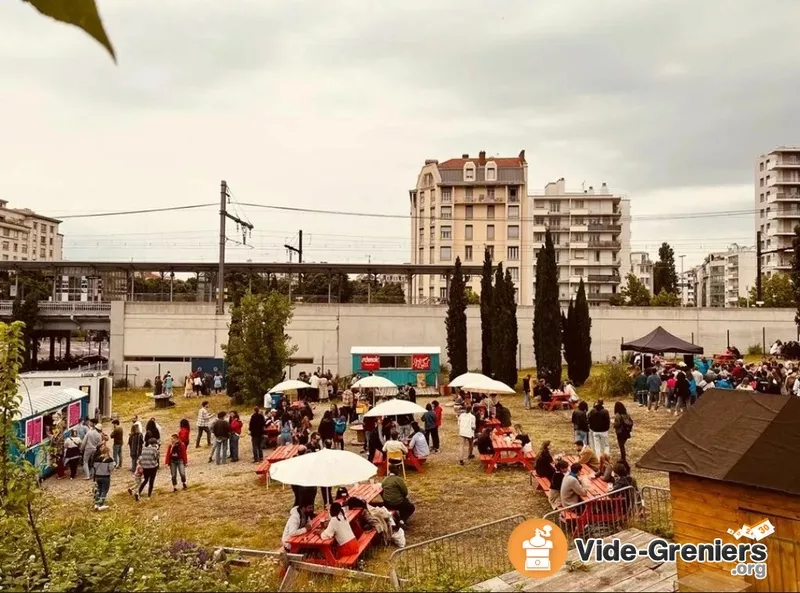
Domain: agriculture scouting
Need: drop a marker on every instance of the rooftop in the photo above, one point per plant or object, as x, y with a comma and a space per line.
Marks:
482, 159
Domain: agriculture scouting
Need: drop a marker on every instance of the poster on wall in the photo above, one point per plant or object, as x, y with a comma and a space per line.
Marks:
33, 432
74, 414
370, 362
421, 362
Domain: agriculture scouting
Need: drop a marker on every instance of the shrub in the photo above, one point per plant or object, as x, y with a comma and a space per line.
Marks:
755, 350
121, 383
147, 384
615, 382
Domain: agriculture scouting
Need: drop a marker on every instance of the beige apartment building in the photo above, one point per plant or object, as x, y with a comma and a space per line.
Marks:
642, 268
591, 232
28, 236
462, 206
725, 277
777, 199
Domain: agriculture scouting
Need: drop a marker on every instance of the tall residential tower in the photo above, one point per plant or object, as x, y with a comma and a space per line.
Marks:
777, 198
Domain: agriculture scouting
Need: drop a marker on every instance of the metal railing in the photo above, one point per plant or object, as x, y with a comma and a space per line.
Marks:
455, 561
656, 515
54, 309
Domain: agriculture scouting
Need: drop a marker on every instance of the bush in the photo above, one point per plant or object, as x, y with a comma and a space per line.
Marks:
147, 384
121, 383
615, 382
755, 350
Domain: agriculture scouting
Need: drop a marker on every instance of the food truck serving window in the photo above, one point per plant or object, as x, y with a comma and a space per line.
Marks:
388, 362
403, 362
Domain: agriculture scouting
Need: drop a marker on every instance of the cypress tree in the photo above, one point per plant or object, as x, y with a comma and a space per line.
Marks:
486, 314
456, 323
580, 326
566, 332
547, 316
512, 343
499, 324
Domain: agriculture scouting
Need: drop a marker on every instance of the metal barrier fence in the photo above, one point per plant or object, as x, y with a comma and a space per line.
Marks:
455, 561
656, 515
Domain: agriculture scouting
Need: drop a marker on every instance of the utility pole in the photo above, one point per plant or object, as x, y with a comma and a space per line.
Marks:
223, 216
299, 251
758, 267
681, 283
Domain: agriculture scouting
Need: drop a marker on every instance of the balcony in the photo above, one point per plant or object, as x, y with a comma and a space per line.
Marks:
605, 244
578, 228
595, 278
578, 245
787, 197
785, 213
786, 164
579, 212
785, 181
599, 296
609, 228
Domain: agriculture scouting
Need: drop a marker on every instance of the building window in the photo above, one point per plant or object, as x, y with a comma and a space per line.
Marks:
491, 172
52, 229
513, 212
445, 233
760, 183
538, 220
469, 172
421, 255
421, 235
445, 253
421, 199
556, 239
41, 253
433, 233
490, 249
578, 204
555, 206
490, 232
513, 232
579, 254
596, 256
513, 253
490, 212
6, 232
35, 225
447, 212
16, 246
468, 253
578, 237
762, 197
468, 194
446, 195
433, 196
761, 166
443, 293
431, 258
578, 271
514, 274
24, 248
513, 196
468, 213
5, 257
468, 232
490, 194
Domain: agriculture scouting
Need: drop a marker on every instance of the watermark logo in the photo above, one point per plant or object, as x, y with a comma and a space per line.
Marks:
537, 548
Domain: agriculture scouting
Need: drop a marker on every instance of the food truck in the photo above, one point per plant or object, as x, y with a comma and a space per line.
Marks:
95, 383
418, 365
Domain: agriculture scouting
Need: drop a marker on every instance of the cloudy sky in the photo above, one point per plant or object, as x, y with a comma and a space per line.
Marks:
335, 105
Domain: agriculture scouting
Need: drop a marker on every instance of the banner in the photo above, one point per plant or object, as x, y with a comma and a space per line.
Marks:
33, 432
370, 362
74, 414
421, 362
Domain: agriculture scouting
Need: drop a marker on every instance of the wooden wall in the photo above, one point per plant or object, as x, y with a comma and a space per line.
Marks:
703, 510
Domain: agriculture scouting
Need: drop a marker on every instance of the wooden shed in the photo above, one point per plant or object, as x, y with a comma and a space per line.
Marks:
734, 459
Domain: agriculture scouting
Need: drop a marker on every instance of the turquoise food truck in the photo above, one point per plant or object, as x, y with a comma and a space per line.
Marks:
43, 410
418, 365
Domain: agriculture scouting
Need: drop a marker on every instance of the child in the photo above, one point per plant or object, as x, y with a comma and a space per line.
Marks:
137, 479
339, 427
102, 469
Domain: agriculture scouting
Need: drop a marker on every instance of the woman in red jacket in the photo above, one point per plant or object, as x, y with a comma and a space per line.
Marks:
183, 432
236, 432
177, 461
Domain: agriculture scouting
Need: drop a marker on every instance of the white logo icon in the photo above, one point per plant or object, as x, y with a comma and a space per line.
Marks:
537, 550
756, 532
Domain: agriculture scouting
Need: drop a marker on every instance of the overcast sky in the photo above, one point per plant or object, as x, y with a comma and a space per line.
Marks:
336, 104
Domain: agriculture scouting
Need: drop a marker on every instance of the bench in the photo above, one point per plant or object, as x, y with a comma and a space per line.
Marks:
541, 483
363, 543
262, 471
379, 461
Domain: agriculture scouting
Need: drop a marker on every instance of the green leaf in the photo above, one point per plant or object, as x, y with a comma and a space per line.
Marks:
81, 13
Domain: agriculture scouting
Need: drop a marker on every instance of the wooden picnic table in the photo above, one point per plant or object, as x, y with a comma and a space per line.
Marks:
560, 400
379, 461
506, 451
489, 423
366, 491
594, 486
280, 454
271, 433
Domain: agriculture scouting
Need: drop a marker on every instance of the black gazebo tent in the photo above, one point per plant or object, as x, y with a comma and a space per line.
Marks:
660, 340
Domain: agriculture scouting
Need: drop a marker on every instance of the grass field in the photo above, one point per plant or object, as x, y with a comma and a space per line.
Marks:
226, 505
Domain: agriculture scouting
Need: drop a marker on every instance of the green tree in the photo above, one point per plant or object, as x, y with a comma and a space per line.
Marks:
81, 13
547, 315
580, 328
472, 297
664, 275
512, 340
504, 328
635, 293
796, 273
486, 314
32, 288
666, 299
316, 286
777, 290
456, 323
258, 347
566, 332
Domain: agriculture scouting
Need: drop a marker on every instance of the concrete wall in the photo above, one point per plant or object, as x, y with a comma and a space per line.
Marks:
179, 331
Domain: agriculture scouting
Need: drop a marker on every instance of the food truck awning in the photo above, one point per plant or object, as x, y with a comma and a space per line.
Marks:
395, 350
42, 399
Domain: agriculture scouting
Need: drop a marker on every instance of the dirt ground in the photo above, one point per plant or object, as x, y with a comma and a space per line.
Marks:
226, 504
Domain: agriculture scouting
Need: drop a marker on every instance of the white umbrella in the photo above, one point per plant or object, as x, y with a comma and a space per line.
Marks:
395, 407
467, 378
289, 385
487, 385
326, 468
374, 382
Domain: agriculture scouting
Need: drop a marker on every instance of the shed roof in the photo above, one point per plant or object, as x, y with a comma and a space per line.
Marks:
737, 436
660, 340
389, 350
38, 400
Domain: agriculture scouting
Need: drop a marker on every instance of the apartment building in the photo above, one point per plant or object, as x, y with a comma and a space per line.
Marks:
641, 266
725, 277
27, 235
591, 233
688, 281
777, 199
462, 206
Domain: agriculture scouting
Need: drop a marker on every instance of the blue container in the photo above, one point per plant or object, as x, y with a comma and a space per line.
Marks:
276, 398
397, 364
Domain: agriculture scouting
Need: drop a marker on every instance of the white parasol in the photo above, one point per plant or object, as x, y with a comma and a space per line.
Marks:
395, 407
467, 378
374, 382
487, 385
288, 386
325, 468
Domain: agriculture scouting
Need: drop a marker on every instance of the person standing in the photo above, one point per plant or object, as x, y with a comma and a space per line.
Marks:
653, 389
184, 430
580, 422
177, 460
466, 432
149, 462
116, 440
256, 430
135, 444
217, 382
526, 390
347, 404
236, 433
102, 469
72, 453
431, 432
188, 386
203, 424
222, 434
168, 384
640, 393
599, 424
623, 425
90, 444
322, 388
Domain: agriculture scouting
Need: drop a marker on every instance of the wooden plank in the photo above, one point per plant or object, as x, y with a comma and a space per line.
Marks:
758, 499
646, 579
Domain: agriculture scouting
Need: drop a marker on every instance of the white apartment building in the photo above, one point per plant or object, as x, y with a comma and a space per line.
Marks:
27, 235
462, 206
641, 266
687, 286
777, 199
592, 237
725, 277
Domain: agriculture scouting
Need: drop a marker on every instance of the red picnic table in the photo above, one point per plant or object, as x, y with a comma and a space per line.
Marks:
506, 451
379, 460
279, 454
559, 400
326, 549
271, 433
594, 486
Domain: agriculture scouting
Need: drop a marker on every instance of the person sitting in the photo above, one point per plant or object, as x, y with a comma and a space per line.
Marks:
394, 444
587, 456
569, 389
606, 468
484, 442
314, 443
503, 414
623, 481
572, 489
418, 445
543, 392
554, 494
395, 495
544, 462
339, 528
523, 439
299, 517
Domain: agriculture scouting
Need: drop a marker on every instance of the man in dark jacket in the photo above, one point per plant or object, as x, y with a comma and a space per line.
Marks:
256, 429
222, 433
599, 423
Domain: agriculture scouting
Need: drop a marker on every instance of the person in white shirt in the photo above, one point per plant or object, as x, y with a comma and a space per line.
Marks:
570, 391
322, 386
339, 528
393, 444
466, 433
299, 517
796, 386
418, 443
314, 381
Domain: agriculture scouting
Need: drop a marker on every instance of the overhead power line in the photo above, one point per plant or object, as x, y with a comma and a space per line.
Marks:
131, 212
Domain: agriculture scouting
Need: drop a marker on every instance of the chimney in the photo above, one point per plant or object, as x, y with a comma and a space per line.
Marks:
431, 162
465, 156
604, 188
591, 189
522, 155
482, 157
